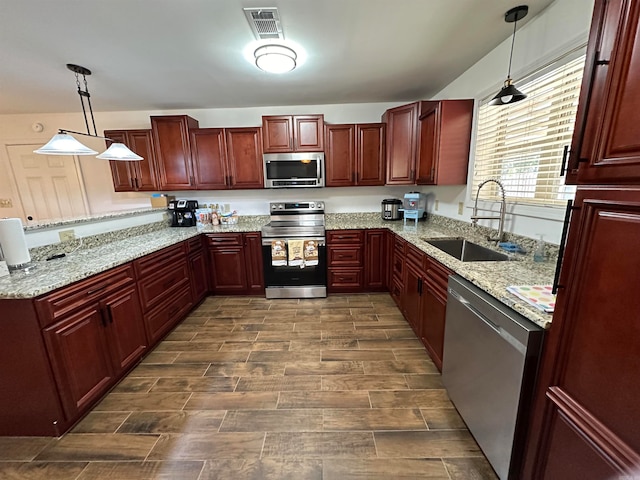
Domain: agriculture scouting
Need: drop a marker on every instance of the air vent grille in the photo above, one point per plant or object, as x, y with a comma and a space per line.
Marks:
265, 23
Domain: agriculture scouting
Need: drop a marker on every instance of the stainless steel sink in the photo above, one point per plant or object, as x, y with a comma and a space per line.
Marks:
466, 251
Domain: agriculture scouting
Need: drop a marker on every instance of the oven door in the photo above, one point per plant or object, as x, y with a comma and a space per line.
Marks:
295, 281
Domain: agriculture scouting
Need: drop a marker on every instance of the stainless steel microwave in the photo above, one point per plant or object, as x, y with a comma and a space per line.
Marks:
293, 170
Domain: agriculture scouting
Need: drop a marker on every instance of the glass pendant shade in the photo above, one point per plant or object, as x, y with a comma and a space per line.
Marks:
64, 144
275, 58
508, 94
119, 152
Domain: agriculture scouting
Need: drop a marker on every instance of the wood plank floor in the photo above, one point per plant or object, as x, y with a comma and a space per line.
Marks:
249, 388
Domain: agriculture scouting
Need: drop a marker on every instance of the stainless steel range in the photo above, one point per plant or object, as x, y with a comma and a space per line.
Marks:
294, 251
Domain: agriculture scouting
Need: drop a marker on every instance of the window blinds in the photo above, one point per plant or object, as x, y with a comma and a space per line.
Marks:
522, 144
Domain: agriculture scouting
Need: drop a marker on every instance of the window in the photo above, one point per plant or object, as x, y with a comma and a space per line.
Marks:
522, 144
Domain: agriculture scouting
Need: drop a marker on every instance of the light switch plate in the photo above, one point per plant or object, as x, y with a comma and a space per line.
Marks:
460, 207
66, 235
6, 203
437, 205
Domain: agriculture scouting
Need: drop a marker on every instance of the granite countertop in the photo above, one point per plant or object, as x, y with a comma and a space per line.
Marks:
492, 277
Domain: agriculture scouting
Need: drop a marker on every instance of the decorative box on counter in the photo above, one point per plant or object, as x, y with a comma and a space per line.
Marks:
160, 200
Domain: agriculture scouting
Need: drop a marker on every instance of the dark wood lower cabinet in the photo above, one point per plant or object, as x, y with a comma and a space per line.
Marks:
235, 263
375, 269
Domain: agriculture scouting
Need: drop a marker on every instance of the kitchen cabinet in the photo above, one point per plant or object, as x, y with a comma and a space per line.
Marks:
399, 246
293, 133
227, 158
428, 142
165, 289
604, 147
235, 263
355, 155
94, 333
585, 416
375, 268
402, 143
198, 269
345, 261
433, 309
138, 176
173, 153
444, 142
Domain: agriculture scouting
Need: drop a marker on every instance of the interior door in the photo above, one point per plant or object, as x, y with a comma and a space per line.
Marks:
50, 186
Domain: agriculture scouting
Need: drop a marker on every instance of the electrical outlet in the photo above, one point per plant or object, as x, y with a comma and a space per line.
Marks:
67, 235
6, 203
460, 207
437, 205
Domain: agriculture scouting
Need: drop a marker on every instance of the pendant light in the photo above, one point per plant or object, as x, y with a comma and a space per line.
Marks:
65, 144
509, 93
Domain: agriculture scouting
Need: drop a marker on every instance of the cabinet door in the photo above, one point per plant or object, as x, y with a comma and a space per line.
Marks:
616, 158
209, 158
431, 329
198, 275
375, 268
227, 266
401, 144
428, 144
590, 378
121, 173
171, 141
80, 358
413, 285
308, 133
604, 25
253, 256
145, 177
244, 156
277, 131
127, 339
340, 155
370, 154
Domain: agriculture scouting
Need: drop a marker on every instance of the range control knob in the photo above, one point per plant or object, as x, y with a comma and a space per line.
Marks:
313, 205
320, 205
274, 206
280, 206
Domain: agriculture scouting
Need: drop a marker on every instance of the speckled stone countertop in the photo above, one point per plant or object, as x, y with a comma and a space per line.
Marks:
492, 277
91, 218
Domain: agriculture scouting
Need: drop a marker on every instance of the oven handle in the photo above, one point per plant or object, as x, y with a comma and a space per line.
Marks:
320, 240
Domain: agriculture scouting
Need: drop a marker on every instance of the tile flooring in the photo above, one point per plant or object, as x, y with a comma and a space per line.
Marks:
249, 388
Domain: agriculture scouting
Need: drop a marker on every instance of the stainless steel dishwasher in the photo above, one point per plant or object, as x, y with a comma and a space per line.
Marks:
489, 368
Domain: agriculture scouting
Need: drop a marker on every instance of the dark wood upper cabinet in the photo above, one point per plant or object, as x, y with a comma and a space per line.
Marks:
138, 175
370, 154
428, 142
354, 154
340, 164
244, 157
401, 143
293, 133
209, 158
173, 154
444, 142
615, 156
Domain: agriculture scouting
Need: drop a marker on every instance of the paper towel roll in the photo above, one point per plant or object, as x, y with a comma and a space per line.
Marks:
13, 242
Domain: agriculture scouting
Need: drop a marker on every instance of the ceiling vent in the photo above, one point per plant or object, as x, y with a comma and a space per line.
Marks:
265, 23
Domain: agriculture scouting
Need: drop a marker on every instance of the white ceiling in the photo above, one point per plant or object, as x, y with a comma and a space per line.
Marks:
187, 54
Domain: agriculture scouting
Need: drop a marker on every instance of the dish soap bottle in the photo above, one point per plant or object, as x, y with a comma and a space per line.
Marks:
539, 254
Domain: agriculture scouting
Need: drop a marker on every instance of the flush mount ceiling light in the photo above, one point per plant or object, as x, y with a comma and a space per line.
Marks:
64, 144
275, 58
509, 93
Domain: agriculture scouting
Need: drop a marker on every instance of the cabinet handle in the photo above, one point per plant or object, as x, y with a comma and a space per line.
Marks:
563, 237
107, 309
133, 182
433, 173
230, 180
136, 182
96, 290
413, 172
563, 165
192, 180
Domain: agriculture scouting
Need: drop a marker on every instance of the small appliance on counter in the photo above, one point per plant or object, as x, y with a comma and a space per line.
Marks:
415, 206
183, 213
391, 209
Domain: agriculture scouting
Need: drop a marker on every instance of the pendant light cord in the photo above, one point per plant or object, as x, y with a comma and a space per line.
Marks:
513, 41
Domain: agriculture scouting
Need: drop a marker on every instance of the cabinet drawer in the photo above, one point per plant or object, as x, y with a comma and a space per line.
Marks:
154, 288
438, 276
416, 257
68, 299
345, 236
162, 318
224, 239
396, 292
159, 260
194, 245
345, 256
345, 279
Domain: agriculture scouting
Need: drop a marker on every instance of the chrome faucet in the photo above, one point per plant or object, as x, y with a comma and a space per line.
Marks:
503, 207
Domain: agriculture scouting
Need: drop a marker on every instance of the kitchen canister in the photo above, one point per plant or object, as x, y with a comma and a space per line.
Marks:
13, 243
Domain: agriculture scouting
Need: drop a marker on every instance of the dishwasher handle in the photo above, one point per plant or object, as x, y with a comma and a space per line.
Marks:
496, 328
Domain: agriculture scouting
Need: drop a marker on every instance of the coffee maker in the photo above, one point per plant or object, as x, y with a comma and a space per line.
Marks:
183, 213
